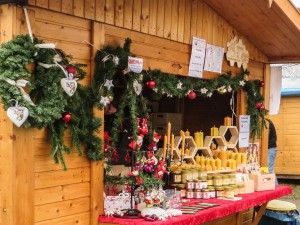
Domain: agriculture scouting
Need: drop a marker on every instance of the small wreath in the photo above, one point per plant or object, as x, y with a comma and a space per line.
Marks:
32, 74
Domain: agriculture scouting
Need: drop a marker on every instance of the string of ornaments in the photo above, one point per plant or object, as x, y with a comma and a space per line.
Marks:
113, 61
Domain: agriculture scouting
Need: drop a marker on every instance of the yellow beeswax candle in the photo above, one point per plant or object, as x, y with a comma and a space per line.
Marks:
229, 154
169, 133
218, 164
234, 165
201, 139
223, 158
244, 158
212, 162
182, 143
207, 161
238, 157
187, 151
187, 133
172, 144
165, 146
202, 161
227, 121
196, 138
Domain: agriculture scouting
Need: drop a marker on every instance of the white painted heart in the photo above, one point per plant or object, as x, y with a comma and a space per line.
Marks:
17, 115
69, 85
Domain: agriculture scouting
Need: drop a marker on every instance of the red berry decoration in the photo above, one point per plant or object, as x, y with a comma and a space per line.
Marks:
261, 83
262, 108
151, 84
258, 105
71, 69
66, 117
192, 95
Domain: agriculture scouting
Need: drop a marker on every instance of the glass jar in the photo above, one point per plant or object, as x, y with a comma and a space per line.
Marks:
226, 180
217, 180
202, 172
219, 192
186, 175
189, 193
229, 192
236, 189
209, 180
190, 184
205, 193
203, 182
181, 188
176, 177
232, 178
194, 174
212, 192
197, 184
197, 193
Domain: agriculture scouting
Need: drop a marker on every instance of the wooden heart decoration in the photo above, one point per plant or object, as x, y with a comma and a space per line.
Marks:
17, 115
69, 85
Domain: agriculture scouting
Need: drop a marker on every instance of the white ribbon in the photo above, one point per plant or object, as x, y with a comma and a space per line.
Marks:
20, 84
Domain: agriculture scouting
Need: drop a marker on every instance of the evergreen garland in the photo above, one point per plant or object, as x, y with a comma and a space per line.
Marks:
50, 100
111, 61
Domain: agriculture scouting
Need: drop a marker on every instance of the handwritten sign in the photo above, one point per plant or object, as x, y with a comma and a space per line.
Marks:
135, 64
197, 58
213, 58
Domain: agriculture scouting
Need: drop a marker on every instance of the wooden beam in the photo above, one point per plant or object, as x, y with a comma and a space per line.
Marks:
97, 169
284, 59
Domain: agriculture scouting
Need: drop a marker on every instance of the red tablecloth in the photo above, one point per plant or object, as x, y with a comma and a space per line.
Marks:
226, 207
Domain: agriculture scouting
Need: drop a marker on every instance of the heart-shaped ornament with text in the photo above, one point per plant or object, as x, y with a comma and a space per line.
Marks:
17, 115
69, 85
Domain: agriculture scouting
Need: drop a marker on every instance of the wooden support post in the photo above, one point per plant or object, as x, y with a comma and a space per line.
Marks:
259, 214
97, 171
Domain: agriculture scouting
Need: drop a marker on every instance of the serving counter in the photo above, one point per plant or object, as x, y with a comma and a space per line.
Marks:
227, 212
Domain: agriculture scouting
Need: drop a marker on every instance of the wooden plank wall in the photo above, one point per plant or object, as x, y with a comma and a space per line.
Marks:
176, 20
62, 197
287, 124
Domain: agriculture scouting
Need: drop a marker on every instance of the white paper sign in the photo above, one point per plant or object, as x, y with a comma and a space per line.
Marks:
244, 131
197, 58
135, 64
213, 58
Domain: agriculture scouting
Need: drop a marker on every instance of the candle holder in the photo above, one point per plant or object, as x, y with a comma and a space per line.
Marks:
167, 159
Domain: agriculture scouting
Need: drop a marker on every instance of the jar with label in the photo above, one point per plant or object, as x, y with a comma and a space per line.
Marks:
203, 182
194, 174
205, 193
197, 184
212, 192
186, 175
189, 193
217, 180
209, 180
226, 180
176, 177
219, 192
228, 192
181, 188
202, 172
236, 189
197, 193
190, 184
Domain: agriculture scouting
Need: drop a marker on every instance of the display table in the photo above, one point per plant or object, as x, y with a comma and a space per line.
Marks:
225, 208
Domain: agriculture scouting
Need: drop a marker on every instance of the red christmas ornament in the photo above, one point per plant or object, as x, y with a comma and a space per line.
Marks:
192, 95
71, 69
258, 105
262, 108
151, 84
66, 117
261, 83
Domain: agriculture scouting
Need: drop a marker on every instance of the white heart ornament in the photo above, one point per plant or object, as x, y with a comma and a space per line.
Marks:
17, 115
69, 85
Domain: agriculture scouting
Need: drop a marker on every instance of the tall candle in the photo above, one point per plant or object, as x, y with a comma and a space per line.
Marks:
214, 131
172, 144
223, 158
169, 133
218, 164
202, 161
182, 143
200, 139
227, 121
244, 158
234, 165
197, 139
165, 146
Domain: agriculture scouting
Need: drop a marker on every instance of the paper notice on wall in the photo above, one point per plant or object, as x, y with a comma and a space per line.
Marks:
197, 58
135, 64
213, 58
244, 122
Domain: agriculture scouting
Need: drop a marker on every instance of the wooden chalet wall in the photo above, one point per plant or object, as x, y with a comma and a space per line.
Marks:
34, 190
287, 124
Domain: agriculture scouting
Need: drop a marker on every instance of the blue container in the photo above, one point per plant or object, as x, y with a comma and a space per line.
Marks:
271, 217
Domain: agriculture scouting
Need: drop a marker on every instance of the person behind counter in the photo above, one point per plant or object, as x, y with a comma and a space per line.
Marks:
272, 148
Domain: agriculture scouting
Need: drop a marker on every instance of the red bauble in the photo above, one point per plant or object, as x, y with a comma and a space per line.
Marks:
66, 117
258, 105
71, 69
261, 83
262, 108
151, 84
192, 95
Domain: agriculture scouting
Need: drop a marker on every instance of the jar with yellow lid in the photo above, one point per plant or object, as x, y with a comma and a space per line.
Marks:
217, 180
189, 193
203, 182
202, 172
209, 180
194, 173
229, 192
219, 192
235, 189
176, 177
186, 175
197, 194
212, 192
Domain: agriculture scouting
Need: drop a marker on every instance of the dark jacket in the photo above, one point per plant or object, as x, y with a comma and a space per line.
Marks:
272, 136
